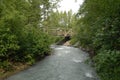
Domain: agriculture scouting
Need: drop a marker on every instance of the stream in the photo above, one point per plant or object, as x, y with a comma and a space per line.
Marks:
65, 63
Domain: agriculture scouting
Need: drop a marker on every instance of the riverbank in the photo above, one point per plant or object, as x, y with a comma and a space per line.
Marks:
17, 67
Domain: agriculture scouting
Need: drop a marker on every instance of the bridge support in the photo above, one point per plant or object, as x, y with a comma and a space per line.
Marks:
66, 38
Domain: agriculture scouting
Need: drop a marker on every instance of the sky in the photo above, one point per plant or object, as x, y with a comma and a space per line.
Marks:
66, 5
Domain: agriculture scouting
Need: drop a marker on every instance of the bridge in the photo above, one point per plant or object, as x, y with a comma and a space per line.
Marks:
59, 31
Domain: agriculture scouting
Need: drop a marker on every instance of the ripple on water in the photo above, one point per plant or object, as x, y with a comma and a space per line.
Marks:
89, 75
59, 54
66, 52
59, 48
77, 60
63, 53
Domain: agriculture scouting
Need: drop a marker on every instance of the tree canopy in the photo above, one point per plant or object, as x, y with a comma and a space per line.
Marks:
99, 31
21, 37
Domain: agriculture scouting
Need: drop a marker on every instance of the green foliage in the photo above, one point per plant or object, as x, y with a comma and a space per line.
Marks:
21, 37
107, 64
73, 40
98, 29
55, 39
8, 40
7, 66
60, 20
34, 44
99, 24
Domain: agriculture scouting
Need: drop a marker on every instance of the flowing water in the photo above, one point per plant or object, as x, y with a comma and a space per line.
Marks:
66, 63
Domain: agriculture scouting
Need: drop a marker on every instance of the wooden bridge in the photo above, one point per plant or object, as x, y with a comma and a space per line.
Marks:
59, 31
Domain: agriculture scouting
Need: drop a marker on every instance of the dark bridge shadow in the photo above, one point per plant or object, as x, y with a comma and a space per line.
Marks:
65, 39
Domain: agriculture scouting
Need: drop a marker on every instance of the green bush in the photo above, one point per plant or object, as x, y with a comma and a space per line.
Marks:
21, 39
99, 30
73, 40
7, 66
34, 44
8, 40
107, 64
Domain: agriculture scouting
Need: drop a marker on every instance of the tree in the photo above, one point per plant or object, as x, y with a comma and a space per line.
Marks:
99, 30
65, 20
21, 37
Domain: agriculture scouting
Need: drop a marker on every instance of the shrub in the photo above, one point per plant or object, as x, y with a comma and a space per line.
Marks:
34, 44
8, 41
107, 64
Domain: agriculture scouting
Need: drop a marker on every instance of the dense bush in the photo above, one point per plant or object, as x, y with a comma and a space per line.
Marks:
107, 64
99, 30
35, 44
21, 38
98, 26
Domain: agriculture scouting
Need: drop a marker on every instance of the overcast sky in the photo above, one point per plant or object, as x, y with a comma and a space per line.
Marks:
67, 5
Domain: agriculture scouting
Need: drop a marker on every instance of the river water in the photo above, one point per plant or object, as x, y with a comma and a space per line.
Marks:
65, 63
